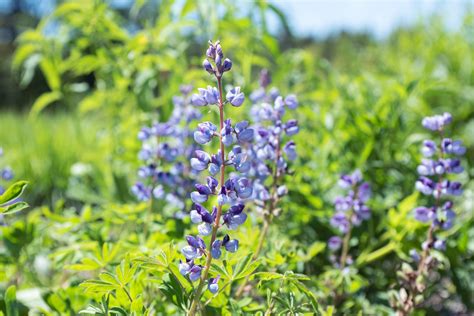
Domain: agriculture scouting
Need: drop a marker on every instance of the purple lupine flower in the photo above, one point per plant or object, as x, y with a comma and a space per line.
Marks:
425, 185
424, 214
194, 249
235, 216
195, 273
290, 150
429, 148
213, 284
227, 133
231, 245
436, 122
291, 101
334, 243
235, 97
244, 134
204, 133
440, 244
200, 161
216, 249
165, 147
449, 146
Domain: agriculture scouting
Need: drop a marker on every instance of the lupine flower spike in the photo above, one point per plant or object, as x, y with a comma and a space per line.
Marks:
351, 210
441, 160
270, 154
164, 174
229, 193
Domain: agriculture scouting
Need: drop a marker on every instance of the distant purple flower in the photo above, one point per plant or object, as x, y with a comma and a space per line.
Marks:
334, 243
439, 167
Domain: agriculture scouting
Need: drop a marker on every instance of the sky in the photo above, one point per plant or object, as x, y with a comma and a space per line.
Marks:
322, 17
379, 17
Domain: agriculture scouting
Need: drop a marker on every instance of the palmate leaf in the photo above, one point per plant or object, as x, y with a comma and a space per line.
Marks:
13, 192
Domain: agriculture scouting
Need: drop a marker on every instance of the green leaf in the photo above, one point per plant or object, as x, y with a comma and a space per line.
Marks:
44, 100
13, 192
51, 74
11, 302
244, 267
267, 276
13, 208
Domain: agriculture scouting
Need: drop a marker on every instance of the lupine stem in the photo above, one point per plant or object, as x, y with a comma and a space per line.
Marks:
203, 280
345, 244
267, 219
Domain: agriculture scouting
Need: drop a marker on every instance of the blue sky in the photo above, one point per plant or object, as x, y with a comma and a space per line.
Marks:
322, 17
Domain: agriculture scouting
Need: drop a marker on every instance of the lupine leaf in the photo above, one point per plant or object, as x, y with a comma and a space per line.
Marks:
13, 208
11, 302
13, 192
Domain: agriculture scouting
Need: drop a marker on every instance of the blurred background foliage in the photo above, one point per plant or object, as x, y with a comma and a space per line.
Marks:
76, 86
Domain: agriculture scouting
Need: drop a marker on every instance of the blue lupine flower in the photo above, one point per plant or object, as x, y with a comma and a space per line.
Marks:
199, 99
226, 133
291, 127
213, 284
235, 97
204, 133
244, 134
227, 65
216, 249
208, 67
429, 148
201, 160
290, 150
235, 216
164, 147
231, 245
424, 214
291, 101
144, 134
449, 146
195, 273
437, 122
334, 243
194, 249
425, 185
340, 221
440, 244
185, 266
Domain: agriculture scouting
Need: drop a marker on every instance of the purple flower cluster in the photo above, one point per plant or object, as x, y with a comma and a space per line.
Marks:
440, 160
273, 147
6, 173
229, 194
351, 209
165, 148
